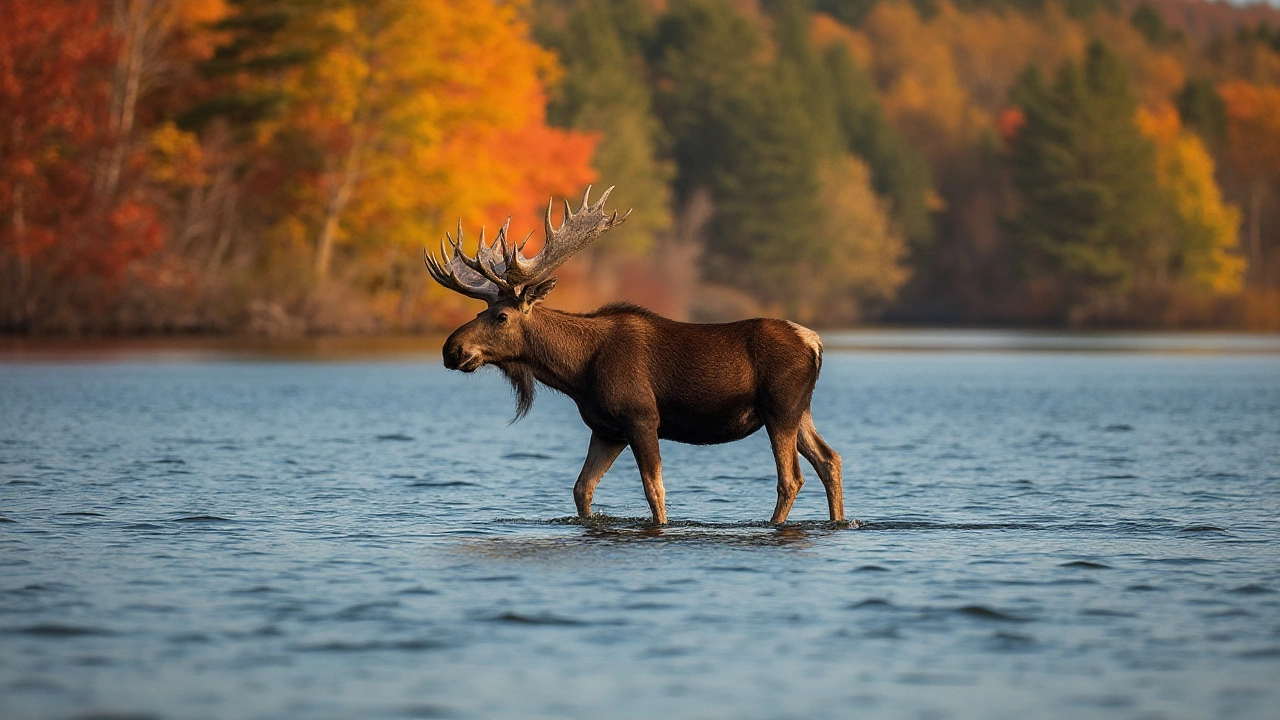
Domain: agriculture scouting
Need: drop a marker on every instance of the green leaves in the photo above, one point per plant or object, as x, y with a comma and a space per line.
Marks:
1085, 176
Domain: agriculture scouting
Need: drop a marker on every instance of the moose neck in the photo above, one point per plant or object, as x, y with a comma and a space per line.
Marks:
558, 347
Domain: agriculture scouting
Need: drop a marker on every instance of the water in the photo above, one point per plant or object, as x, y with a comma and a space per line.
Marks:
1043, 535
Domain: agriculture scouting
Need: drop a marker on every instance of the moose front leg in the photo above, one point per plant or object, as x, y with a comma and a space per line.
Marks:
600, 455
644, 444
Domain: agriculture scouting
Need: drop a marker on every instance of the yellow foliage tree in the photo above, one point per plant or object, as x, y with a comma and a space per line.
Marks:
862, 262
424, 112
1207, 253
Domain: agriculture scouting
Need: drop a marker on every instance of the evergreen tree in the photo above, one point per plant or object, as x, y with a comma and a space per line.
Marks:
739, 129
1090, 212
1202, 109
795, 49
1147, 20
899, 172
634, 23
767, 194
604, 91
261, 40
849, 12
704, 58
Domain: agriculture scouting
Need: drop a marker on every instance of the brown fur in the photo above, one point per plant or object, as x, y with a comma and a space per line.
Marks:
637, 377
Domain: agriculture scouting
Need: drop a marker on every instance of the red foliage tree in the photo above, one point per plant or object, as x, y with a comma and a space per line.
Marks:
65, 241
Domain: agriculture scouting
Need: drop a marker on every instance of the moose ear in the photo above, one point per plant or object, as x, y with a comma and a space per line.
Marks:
533, 294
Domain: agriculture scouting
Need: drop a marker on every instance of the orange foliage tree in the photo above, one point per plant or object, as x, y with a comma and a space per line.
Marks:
1253, 146
428, 110
415, 115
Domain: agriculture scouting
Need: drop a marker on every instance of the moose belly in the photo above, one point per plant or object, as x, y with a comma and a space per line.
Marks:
708, 428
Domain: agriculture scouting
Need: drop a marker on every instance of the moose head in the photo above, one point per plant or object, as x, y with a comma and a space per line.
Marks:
511, 284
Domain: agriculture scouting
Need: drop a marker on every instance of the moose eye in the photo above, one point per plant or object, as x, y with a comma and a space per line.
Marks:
500, 318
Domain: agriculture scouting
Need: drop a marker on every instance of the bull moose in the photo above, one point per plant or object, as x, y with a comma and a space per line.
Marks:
636, 376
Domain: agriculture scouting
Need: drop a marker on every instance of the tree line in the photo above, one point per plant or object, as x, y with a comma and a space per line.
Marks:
275, 166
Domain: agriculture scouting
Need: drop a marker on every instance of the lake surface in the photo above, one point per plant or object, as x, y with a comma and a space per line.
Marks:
1058, 534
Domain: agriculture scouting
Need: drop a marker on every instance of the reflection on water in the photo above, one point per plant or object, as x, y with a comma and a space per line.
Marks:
1049, 534
600, 529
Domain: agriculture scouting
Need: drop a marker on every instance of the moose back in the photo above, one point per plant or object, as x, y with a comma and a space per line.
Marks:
635, 376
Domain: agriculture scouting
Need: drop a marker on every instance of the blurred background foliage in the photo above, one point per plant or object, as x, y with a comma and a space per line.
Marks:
274, 166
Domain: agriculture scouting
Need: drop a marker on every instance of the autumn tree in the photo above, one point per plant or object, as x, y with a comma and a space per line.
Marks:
74, 215
393, 119
431, 106
1204, 248
862, 261
1253, 149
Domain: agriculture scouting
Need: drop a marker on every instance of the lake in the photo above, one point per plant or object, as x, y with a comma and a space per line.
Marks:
1047, 528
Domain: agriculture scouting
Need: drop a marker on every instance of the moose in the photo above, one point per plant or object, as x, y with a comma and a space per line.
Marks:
636, 376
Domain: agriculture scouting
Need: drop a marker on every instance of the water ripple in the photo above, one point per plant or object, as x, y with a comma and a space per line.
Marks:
1048, 535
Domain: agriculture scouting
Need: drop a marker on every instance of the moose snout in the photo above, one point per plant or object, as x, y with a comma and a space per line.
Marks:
456, 357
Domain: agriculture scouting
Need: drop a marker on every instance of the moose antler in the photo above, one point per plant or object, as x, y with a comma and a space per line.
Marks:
498, 269
478, 277
577, 231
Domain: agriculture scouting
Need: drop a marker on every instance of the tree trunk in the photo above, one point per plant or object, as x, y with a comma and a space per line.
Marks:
22, 313
133, 20
225, 229
1255, 269
339, 196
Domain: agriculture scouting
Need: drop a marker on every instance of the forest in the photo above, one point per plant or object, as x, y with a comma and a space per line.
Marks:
275, 167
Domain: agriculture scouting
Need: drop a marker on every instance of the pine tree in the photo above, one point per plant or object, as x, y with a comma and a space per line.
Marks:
261, 40
1147, 20
603, 91
704, 58
814, 83
1090, 211
899, 172
767, 193
1202, 109
739, 129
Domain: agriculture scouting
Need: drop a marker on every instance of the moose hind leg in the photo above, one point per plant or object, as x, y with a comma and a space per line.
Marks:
826, 462
789, 478
644, 444
600, 455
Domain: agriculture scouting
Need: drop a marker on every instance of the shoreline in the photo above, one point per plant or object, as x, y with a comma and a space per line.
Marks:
339, 348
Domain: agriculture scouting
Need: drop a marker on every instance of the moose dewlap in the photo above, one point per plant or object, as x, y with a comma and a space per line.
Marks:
637, 377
